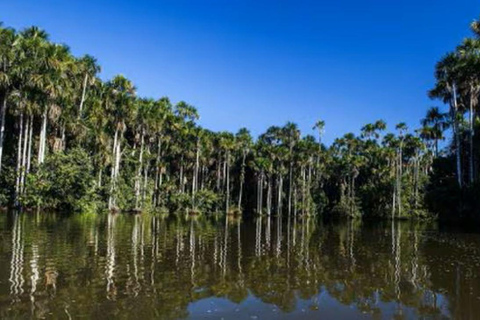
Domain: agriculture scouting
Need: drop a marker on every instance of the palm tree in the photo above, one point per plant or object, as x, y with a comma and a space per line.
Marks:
120, 105
244, 140
402, 129
434, 124
227, 144
88, 69
475, 27
469, 64
8, 55
446, 89
320, 127
291, 135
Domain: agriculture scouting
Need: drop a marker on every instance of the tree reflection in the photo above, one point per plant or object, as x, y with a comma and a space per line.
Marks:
145, 266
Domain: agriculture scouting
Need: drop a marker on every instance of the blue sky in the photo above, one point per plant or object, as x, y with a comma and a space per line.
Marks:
260, 63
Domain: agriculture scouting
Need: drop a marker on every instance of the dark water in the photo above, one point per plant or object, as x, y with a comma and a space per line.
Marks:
89, 266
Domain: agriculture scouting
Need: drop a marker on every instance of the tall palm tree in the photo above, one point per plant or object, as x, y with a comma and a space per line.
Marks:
469, 64
244, 140
8, 55
291, 136
475, 27
434, 124
121, 93
88, 70
446, 89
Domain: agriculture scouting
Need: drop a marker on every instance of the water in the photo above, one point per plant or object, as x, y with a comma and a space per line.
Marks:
104, 266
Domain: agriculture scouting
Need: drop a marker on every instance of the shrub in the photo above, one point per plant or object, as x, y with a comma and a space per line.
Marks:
64, 182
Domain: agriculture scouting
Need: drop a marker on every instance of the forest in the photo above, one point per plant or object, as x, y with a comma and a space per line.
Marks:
72, 142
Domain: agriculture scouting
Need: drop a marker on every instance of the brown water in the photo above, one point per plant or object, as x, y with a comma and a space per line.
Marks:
104, 266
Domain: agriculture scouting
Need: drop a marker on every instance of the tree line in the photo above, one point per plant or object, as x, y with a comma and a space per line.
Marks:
454, 182
72, 141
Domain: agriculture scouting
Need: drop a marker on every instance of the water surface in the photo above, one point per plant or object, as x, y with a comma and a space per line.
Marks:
104, 266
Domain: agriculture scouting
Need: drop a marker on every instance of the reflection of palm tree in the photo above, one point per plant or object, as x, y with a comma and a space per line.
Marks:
192, 253
16, 262
110, 267
34, 266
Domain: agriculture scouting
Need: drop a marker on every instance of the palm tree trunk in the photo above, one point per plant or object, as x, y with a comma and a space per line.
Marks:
227, 168
43, 138
30, 143
24, 156
394, 205
63, 141
145, 180
309, 185
111, 201
242, 180
262, 178
84, 90
279, 196
457, 137
218, 173
2, 124
100, 178
470, 137
269, 196
139, 170
195, 170
399, 182
303, 189
157, 172
290, 184
19, 159
224, 173
181, 175
259, 186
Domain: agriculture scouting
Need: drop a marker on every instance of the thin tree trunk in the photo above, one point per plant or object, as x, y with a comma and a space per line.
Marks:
269, 196
470, 136
262, 178
259, 185
100, 178
63, 146
19, 159
181, 175
399, 182
279, 196
84, 90
457, 137
145, 181
224, 173
43, 138
227, 168
30, 143
394, 193
290, 184
2, 124
113, 174
218, 173
139, 171
24, 155
303, 189
118, 155
157, 172
242, 180
195, 170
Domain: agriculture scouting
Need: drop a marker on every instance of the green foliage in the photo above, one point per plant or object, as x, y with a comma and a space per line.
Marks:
204, 201
105, 146
63, 182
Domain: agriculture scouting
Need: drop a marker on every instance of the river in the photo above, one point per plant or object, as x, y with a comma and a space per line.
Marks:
142, 266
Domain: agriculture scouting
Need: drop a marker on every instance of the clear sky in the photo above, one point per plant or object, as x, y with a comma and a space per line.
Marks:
261, 63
